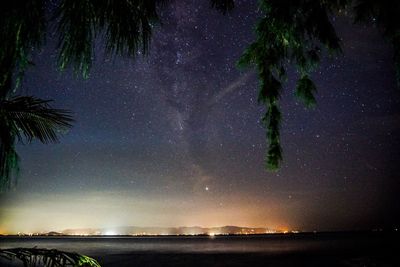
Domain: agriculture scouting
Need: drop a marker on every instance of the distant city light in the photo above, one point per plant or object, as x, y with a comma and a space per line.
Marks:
110, 232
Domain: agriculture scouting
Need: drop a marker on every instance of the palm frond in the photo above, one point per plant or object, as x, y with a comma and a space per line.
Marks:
127, 27
25, 118
35, 257
33, 118
289, 32
22, 27
9, 162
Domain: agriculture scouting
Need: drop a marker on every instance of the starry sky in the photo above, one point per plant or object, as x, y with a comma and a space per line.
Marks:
175, 138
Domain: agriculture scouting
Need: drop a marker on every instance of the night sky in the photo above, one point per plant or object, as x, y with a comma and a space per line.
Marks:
175, 139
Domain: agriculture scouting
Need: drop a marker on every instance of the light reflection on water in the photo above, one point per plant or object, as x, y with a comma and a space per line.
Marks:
218, 244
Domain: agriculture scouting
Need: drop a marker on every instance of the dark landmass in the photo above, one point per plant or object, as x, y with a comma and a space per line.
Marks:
194, 230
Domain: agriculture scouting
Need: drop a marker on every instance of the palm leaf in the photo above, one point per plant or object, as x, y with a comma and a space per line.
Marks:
34, 257
22, 28
31, 117
25, 118
9, 162
126, 26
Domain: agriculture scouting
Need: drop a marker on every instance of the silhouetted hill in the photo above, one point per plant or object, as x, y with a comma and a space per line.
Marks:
185, 230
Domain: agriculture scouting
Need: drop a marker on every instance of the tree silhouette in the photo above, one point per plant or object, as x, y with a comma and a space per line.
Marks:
297, 33
24, 119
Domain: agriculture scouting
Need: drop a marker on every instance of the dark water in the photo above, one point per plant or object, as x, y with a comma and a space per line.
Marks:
335, 249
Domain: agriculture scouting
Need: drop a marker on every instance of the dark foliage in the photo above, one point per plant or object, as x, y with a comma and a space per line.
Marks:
22, 27
126, 27
297, 33
35, 257
24, 119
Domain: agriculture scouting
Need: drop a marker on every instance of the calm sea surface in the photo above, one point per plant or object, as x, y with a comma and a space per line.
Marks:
224, 250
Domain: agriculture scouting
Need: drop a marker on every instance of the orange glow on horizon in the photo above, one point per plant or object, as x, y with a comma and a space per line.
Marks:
206, 213
283, 230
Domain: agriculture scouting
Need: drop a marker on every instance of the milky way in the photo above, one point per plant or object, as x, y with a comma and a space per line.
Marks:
175, 138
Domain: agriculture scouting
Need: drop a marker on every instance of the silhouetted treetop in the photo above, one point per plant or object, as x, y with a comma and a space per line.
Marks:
297, 33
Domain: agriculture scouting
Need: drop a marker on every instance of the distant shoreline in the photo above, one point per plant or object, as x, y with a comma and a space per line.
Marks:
353, 232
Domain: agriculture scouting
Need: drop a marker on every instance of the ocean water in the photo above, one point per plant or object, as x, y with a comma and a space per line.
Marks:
334, 249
